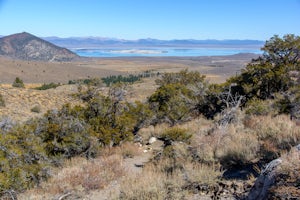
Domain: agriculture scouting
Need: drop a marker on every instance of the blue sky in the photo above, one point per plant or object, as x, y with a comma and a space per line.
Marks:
160, 19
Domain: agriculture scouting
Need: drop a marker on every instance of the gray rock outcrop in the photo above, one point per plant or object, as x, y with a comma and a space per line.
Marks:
270, 174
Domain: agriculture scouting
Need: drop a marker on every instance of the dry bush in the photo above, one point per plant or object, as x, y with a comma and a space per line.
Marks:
232, 145
203, 174
173, 158
238, 147
197, 126
152, 183
275, 132
175, 134
155, 182
292, 161
2, 101
260, 107
287, 178
94, 175
204, 147
144, 134
80, 175
126, 150
148, 132
160, 128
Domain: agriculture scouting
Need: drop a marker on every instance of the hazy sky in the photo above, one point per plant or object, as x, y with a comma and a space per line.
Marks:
160, 19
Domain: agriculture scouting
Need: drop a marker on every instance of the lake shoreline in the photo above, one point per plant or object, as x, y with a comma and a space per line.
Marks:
163, 51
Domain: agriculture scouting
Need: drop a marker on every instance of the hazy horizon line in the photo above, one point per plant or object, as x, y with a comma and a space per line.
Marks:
135, 39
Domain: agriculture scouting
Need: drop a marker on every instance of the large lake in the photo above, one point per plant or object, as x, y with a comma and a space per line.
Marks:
132, 52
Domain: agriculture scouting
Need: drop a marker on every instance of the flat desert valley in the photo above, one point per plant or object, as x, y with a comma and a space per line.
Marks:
216, 68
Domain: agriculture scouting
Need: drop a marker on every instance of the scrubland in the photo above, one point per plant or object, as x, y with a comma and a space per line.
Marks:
173, 136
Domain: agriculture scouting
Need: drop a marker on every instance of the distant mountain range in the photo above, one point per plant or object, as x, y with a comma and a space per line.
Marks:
98, 42
25, 46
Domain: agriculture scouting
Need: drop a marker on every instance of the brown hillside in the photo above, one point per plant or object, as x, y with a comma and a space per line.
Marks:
25, 46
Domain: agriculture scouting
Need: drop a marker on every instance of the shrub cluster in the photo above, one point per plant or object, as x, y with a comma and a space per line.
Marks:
110, 80
24, 162
48, 86
121, 79
89, 81
178, 96
175, 134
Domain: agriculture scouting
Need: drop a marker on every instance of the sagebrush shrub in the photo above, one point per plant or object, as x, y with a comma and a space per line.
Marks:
258, 107
278, 133
2, 102
48, 86
237, 147
18, 83
176, 134
23, 160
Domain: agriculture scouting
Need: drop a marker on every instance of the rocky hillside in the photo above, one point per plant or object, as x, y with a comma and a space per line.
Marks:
25, 46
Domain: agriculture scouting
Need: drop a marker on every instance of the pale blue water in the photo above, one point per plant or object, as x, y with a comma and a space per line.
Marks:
132, 52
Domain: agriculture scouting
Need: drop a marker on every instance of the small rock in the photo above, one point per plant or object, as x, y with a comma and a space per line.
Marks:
298, 147
137, 139
152, 140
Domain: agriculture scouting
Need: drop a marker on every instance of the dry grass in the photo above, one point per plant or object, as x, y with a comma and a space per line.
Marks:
204, 147
238, 147
20, 101
147, 132
288, 177
230, 145
258, 137
203, 174
278, 133
141, 90
79, 176
292, 160
156, 183
46, 72
152, 183
125, 150
196, 127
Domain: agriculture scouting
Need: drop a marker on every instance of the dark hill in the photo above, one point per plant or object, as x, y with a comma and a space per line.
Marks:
25, 46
